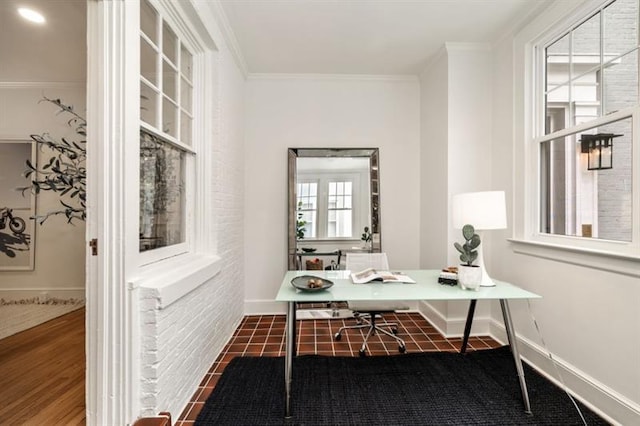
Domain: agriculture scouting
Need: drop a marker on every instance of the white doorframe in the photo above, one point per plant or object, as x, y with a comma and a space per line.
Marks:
112, 369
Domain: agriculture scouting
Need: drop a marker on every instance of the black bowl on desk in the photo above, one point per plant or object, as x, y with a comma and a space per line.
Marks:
302, 283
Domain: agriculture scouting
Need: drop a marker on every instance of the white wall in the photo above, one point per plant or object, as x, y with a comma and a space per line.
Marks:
456, 142
326, 111
59, 247
434, 174
588, 318
182, 340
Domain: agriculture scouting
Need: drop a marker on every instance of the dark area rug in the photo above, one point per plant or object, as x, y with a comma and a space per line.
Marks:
479, 388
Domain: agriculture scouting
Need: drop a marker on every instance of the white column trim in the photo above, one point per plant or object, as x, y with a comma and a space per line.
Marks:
112, 335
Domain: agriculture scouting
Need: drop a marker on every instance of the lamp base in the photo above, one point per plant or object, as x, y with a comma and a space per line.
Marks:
486, 279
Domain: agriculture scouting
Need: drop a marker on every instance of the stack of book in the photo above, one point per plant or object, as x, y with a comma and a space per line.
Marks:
448, 276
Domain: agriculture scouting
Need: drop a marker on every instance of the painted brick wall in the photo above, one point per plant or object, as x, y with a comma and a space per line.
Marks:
181, 341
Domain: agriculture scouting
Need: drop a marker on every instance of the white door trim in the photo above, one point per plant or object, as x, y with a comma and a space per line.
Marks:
112, 334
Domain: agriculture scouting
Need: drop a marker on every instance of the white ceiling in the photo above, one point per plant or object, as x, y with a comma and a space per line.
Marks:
54, 51
379, 37
375, 37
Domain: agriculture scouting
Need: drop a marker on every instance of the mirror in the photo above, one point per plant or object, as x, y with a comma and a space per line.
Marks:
333, 196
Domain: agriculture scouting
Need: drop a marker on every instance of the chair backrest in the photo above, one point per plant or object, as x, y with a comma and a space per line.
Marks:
359, 261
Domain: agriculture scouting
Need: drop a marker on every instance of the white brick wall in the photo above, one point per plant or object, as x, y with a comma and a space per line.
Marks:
180, 342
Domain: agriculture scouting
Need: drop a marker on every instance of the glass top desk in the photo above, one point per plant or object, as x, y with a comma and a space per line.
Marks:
425, 288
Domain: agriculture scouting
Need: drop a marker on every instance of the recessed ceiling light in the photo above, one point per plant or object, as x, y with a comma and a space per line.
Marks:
31, 15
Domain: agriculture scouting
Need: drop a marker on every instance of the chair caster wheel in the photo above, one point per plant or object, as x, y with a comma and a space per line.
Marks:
362, 353
394, 330
337, 336
402, 349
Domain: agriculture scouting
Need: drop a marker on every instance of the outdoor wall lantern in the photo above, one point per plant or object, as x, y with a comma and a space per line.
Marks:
599, 148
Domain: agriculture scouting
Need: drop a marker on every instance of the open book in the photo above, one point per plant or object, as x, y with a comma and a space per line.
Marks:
371, 274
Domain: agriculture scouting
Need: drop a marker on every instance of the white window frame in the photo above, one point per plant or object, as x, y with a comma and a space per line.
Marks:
322, 212
578, 250
197, 49
178, 269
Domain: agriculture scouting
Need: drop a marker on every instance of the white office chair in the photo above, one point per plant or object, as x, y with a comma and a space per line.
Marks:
373, 309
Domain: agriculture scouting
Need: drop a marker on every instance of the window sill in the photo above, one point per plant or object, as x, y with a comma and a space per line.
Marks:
622, 264
175, 277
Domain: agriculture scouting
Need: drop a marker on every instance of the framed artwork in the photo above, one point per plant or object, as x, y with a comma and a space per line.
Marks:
17, 230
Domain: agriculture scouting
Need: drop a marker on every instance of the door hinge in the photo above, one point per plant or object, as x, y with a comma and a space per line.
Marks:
94, 246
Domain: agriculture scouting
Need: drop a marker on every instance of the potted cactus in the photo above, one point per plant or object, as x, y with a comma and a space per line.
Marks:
469, 275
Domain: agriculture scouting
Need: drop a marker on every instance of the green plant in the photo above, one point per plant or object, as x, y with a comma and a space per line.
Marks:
468, 252
300, 223
64, 172
366, 235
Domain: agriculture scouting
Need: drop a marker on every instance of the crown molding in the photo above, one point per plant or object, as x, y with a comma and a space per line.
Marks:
229, 37
344, 77
41, 84
467, 47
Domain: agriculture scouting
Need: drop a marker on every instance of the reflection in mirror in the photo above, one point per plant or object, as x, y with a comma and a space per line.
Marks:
333, 197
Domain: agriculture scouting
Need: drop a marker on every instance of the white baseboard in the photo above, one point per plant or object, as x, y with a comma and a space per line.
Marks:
42, 294
604, 401
264, 307
453, 327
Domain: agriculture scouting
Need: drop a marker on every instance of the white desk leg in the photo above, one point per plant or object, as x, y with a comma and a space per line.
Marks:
513, 344
288, 366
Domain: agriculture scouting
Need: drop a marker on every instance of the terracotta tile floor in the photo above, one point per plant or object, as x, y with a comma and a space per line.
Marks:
263, 335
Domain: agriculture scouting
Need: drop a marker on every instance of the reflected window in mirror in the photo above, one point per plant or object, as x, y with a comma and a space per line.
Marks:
333, 197
340, 210
308, 207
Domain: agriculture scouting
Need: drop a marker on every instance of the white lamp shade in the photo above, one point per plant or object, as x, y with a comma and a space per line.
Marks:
483, 210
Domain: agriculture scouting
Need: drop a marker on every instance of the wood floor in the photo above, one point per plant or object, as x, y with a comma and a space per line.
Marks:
42, 374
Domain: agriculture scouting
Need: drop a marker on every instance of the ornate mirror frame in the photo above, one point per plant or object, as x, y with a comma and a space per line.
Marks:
374, 175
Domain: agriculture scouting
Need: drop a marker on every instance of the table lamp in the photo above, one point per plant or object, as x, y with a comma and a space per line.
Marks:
485, 211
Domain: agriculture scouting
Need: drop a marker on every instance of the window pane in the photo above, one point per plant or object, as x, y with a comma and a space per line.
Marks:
557, 78
310, 227
169, 117
185, 96
169, 43
614, 203
586, 45
186, 64
621, 83
588, 203
620, 28
148, 62
148, 21
169, 80
339, 224
340, 213
162, 200
186, 125
307, 207
148, 105
553, 186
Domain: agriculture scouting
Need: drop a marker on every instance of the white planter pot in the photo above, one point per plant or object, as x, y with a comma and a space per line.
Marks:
469, 277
